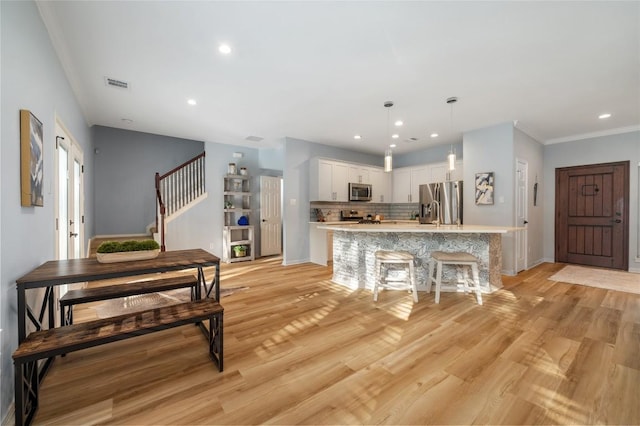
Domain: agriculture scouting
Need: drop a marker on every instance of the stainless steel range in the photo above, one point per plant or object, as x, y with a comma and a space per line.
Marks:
351, 215
357, 216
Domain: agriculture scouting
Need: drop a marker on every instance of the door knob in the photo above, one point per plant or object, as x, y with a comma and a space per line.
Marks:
526, 221
264, 220
72, 234
616, 221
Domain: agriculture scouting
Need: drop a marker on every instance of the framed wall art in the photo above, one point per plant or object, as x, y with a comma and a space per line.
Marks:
484, 188
31, 161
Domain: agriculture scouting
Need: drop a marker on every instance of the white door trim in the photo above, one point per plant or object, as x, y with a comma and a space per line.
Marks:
522, 208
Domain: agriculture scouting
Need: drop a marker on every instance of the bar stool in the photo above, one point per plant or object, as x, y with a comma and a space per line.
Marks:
458, 259
385, 259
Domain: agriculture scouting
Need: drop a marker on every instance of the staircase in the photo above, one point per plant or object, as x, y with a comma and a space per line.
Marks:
176, 192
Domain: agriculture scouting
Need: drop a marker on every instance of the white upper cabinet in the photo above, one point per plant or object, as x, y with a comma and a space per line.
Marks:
439, 172
457, 174
419, 176
406, 181
328, 180
339, 182
380, 186
401, 181
359, 174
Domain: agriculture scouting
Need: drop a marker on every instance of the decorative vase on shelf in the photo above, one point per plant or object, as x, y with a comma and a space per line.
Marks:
240, 251
243, 171
232, 169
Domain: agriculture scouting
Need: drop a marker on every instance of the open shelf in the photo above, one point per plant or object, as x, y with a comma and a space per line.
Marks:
237, 203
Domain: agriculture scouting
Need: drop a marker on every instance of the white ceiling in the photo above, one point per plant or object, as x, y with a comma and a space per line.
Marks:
321, 71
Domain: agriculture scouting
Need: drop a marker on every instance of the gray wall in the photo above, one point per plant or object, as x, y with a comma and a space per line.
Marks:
596, 150
33, 79
492, 150
201, 226
272, 158
125, 165
435, 154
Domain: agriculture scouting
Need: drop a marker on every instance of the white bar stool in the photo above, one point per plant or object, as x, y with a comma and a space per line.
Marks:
384, 259
458, 259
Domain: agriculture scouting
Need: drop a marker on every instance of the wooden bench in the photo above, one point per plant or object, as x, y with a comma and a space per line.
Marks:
94, 294
49, 343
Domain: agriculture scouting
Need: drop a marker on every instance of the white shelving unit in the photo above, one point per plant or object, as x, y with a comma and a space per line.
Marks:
237, 203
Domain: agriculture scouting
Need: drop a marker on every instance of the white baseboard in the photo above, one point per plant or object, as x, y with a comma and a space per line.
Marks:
294, 262
537, 262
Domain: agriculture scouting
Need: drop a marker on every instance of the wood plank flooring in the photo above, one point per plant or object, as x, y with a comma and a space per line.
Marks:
301, 350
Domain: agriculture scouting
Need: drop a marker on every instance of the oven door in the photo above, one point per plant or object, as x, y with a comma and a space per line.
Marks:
359, 192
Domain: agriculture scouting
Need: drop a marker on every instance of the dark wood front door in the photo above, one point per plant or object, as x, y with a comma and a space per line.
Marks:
592, 215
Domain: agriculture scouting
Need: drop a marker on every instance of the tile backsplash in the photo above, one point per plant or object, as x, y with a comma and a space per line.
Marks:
331, 211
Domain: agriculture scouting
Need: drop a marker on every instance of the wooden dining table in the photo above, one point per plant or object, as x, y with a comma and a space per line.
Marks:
59, 272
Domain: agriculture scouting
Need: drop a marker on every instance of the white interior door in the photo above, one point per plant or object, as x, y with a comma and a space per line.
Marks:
270, 215
522, 169
69, 196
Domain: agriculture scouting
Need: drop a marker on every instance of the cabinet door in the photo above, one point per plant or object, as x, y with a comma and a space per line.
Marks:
401, 181
457, 174
380, 186
419, 176
325, 188
339, 181
438, 172
359, 174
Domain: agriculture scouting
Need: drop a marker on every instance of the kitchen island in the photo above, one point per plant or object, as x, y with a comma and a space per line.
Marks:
354, 247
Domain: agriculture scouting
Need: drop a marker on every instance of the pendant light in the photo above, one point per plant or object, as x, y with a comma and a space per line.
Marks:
388, 160
388, 155
451, 158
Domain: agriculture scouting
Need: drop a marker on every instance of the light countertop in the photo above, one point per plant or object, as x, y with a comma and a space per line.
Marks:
382, 222
414, 227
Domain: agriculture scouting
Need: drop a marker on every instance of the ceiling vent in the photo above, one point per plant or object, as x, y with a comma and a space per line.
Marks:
254, 138
116, 83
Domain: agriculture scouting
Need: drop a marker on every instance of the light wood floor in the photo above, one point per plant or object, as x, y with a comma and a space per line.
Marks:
301, 350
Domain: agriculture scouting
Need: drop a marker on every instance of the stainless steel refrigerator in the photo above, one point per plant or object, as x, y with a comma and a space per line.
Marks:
441, 200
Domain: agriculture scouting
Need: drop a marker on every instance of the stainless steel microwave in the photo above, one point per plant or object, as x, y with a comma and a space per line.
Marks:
359, 192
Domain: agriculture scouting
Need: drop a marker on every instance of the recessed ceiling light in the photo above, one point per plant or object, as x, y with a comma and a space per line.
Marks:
393, 145
357, 137
602, 116
225, 49
191, 102
398, 123
434, 135
395, 136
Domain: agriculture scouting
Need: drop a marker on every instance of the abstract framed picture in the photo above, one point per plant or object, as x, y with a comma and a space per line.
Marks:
31, 161
484, 188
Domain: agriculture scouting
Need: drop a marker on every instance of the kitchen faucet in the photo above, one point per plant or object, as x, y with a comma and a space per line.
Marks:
437, 221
